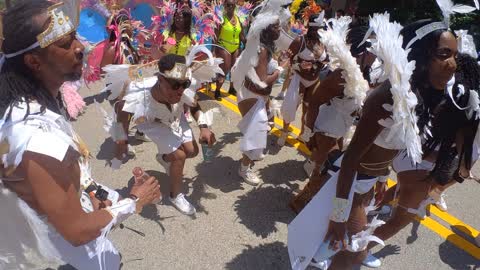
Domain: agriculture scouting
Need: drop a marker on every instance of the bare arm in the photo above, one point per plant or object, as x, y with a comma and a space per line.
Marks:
262, 69
329, 88
367, 131
54, 190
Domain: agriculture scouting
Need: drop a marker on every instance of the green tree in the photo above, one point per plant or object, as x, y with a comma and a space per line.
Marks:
407, 11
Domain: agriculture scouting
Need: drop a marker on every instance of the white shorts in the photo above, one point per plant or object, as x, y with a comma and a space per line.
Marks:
167, 142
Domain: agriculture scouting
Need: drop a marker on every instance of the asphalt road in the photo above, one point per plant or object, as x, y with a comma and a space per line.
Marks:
238, 226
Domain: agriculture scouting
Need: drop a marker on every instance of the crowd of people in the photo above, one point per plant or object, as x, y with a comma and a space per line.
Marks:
407, 95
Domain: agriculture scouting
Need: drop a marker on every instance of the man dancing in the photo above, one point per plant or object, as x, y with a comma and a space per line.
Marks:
50, 203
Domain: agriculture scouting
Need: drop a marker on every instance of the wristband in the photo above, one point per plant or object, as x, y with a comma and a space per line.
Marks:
340, 210
202, 119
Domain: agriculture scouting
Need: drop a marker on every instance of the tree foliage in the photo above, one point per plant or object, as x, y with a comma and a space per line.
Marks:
407, 11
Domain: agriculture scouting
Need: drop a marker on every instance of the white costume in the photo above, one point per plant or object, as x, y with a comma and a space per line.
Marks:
166, 127
292, 97
307, 231
254, 126
51, 135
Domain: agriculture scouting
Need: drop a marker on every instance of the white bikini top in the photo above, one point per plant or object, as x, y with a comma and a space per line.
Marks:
307, 55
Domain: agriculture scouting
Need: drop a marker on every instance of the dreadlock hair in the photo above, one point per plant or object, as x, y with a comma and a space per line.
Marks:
449, 120
354, 38
17, 83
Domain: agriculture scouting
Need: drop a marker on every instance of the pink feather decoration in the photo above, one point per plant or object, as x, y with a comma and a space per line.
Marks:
73, 101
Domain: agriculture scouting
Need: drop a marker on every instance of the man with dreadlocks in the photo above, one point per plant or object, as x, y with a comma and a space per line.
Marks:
51, 206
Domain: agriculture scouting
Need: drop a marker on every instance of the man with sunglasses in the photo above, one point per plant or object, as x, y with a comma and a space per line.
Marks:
158, 107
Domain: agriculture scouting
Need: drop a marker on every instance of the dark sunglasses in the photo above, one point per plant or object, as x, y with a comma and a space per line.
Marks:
176, 85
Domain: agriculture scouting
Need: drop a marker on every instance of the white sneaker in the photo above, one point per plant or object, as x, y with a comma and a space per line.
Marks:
321, 265
282, 139
308, 167
183, 205
249, 176
141, 137
441, 203
372, 261
386, 209
131, 150
166, 165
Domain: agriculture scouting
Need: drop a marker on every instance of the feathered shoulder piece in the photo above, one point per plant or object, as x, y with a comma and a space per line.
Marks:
243, 13
335, 41
118, 77
387, 46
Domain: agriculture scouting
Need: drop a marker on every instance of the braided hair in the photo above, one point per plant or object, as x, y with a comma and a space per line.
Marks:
17, 83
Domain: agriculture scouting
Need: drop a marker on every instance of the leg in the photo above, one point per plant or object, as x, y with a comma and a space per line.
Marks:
177, 163
323, 146
413, 190
244, 107
225, 66
355, 224
123, 118
233, 58
315, 183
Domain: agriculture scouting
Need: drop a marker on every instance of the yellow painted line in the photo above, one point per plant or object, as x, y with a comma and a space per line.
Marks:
451, 237
428, 222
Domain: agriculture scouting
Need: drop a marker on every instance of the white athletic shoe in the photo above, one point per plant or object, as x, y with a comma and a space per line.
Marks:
321, 265
183, 205
131, 150
166, 165
386, 209
282, 139
141, 137
441, 203
249, 176
308, 167
372, 261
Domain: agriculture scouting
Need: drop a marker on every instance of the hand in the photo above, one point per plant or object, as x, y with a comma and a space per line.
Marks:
97, 204
336, 235
206, 135
146, 192
380, 190
285, 63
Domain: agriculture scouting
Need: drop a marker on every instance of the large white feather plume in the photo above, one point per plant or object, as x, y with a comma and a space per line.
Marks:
335, 41
116, 77
387, 46
449, 8
271, 12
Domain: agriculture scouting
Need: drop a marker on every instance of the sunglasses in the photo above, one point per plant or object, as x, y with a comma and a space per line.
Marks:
177, 85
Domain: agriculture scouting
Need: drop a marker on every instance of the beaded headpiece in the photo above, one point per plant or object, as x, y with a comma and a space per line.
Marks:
63, 21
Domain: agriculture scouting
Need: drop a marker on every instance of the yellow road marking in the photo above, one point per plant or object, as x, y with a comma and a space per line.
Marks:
428, 222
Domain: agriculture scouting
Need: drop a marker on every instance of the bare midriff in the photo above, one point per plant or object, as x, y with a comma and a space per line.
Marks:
376, 161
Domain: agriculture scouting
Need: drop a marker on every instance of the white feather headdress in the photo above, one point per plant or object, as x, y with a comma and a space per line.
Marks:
387, 46
335, 41
270, 12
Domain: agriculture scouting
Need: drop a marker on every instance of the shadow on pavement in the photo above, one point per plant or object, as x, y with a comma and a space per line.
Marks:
263, 257
219, 174
457, 258
413, 233
387, 251
283, 173
260, 209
